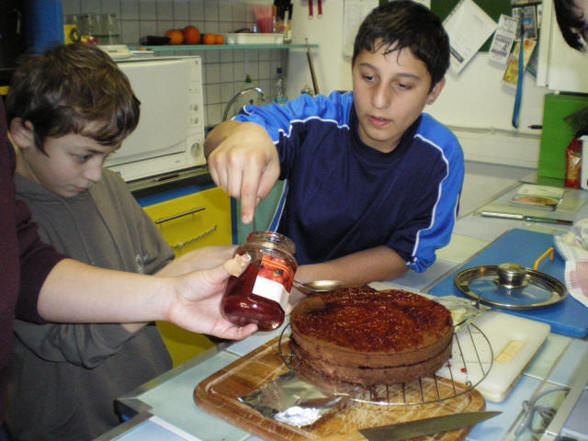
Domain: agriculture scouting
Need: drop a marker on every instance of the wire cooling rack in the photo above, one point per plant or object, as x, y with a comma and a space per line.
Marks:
469, 364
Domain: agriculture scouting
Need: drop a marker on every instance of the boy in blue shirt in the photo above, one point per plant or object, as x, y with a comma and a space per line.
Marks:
372, 182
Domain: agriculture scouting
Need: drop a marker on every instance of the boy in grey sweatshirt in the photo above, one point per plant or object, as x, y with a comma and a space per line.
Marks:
68, 109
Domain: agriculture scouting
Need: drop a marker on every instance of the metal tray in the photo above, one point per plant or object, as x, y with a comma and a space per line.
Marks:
482, 283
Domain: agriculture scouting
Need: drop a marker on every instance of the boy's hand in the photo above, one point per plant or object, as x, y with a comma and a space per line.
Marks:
244, 162
197, 303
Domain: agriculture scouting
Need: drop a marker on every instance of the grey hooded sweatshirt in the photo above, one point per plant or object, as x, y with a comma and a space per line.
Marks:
64, 378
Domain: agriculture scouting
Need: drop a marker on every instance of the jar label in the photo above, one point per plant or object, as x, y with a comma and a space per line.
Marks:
274, 279
271, 290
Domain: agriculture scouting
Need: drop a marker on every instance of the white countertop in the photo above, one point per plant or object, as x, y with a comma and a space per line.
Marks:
558, 362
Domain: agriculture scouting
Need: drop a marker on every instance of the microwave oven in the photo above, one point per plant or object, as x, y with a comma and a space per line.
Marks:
170, 135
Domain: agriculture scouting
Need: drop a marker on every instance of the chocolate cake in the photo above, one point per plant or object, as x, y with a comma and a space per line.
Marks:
368, 337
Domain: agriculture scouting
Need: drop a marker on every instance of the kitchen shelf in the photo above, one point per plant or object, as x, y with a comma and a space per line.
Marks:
220, 47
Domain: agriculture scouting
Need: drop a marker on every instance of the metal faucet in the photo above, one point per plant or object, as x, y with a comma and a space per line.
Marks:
239, 94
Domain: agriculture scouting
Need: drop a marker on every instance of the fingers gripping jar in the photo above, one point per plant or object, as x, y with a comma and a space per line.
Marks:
260, 294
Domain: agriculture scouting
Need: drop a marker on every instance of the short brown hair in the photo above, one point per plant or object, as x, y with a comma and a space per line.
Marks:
68, 87
406, 24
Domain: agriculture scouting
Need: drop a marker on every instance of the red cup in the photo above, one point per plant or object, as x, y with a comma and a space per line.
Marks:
266, 25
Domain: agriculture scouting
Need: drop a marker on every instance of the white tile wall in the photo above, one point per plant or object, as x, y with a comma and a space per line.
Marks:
224, 70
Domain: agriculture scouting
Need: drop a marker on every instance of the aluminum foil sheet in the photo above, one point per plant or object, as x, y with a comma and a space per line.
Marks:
291, 401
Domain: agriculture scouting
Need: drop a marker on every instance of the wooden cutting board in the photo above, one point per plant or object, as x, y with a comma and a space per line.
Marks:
219, 393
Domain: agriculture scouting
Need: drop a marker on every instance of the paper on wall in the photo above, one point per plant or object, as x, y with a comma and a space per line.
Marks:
511, 73
468, 27
353, 14
503, 39
426, 3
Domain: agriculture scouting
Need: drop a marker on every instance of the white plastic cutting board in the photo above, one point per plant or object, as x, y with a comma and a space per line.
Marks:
514, 342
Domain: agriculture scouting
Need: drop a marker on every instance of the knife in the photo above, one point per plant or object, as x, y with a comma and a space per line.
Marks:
429, 426
523, 217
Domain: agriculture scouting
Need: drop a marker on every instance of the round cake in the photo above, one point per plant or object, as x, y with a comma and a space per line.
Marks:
365, 337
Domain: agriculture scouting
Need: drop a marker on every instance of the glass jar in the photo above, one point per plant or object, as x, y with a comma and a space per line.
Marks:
260, 294
108, 29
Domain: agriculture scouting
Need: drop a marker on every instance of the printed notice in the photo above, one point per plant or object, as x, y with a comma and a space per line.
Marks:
354, 11
511, 73
468, 27
504, 38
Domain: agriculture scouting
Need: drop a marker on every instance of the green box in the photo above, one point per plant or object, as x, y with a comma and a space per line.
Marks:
557, 133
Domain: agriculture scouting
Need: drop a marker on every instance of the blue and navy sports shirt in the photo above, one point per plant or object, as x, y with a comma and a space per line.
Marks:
343, 196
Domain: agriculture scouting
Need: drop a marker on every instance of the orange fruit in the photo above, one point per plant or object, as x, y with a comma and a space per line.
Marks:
209, 39
175, 36
191, 35
220, 39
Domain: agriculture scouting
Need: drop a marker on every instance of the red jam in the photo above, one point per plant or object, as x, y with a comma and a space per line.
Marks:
260, 294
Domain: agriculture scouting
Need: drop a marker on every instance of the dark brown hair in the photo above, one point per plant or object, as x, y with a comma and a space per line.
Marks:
406, 24
73, 89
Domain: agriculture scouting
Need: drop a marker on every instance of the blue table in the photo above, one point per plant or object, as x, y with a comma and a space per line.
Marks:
524, 247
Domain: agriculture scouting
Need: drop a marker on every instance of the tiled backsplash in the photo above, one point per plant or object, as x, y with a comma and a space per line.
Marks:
224, 71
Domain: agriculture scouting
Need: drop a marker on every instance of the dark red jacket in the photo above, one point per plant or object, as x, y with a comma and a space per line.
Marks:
25, 261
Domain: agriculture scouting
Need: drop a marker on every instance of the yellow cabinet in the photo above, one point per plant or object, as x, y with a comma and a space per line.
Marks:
189, 222
194, 221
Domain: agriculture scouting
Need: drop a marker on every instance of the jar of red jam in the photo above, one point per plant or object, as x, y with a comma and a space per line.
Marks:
260, 294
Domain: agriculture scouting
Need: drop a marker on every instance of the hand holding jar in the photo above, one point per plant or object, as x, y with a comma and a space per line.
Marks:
260, 294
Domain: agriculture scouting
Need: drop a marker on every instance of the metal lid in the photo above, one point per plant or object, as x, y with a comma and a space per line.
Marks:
510, 286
